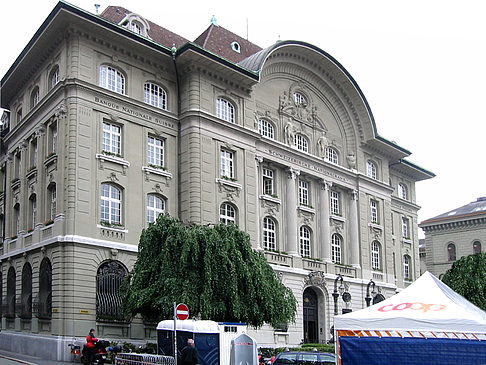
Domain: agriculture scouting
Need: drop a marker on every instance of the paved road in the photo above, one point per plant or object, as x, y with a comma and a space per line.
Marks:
10, 358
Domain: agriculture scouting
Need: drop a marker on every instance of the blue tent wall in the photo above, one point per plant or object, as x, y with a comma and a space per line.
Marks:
207, 345
411, 351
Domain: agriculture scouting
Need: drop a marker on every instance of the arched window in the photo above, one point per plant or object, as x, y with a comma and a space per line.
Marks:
371, 169
155, 206
299, 99
26, 297
301, 143
10, 305
112, 79
375, 255
332, 155
402, 191
54, 77
336, 249
52, 196
136, 27
406, 268
111, 203
266, 129
451, 252
305, 241
269, 234
476, 247
109, 279
32, 211
227, 214
44, 305
34, 97
225, 110
155, 95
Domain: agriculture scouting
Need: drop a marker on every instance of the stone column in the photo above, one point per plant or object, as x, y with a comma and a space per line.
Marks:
291, 212
258, 182
354, 230
324, 220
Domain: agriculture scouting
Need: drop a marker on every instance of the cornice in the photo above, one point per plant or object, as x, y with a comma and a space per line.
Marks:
457, 225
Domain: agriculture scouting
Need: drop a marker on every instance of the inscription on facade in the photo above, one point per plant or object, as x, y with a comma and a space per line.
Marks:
133, 112
299, 162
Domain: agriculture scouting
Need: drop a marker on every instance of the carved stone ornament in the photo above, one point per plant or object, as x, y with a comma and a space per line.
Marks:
375, 232
308, 217
60, 112
229, 190
351, 159
157, 188
338, 226
270, 206
315, 278
113, 177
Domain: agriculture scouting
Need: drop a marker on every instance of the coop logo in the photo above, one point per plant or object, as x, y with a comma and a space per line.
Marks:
414, 306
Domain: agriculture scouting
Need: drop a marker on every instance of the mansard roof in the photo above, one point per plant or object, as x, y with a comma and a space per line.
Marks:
157, 33
466, 212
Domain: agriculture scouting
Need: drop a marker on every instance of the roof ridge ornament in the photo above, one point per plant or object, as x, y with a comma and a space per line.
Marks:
214, 21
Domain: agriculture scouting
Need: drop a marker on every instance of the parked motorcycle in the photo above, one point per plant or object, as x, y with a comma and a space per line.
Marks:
99, 357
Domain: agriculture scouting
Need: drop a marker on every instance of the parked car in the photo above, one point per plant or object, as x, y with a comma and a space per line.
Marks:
305, 358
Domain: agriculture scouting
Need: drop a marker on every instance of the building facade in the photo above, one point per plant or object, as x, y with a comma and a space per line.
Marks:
454, 234
113, 120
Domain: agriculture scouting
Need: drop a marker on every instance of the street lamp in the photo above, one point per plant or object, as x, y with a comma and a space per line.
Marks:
336, 294
373, 292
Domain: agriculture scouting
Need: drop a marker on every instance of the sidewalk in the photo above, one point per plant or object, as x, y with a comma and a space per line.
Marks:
10, 358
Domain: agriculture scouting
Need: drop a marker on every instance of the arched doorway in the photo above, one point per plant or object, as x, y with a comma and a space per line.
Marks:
311, 316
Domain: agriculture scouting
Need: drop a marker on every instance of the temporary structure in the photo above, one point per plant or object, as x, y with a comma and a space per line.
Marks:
427, 323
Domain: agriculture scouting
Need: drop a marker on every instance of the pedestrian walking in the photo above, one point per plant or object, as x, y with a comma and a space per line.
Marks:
91, 345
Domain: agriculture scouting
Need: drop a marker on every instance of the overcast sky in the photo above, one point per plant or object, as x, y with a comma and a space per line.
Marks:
420, 64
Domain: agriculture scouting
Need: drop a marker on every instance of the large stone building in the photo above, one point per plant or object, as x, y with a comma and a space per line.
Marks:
113, 119
454, 234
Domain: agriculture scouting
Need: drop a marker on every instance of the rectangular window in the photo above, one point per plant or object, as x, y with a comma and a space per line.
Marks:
303, 192
334, 201
268, 188
33, 153
405, 228
18, 165
112, 138
52, 148
53, 202
374, 211
155, 151
227, 164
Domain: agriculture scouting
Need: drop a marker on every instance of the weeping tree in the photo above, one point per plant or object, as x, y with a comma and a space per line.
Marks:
467, 276
213, 270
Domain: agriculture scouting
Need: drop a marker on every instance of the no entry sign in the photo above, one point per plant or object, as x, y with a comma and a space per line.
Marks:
182, 311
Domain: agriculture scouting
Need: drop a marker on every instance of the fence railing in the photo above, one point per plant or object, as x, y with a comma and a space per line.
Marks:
143, 359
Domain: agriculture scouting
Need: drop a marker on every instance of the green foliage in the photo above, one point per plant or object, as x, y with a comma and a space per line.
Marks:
213, 270
467, 276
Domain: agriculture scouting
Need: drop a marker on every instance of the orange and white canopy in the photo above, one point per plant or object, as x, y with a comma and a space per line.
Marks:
427, 305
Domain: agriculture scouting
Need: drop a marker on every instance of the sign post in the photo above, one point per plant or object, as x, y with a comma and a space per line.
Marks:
181, 311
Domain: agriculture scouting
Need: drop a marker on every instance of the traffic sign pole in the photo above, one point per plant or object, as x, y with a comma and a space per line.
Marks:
175, 333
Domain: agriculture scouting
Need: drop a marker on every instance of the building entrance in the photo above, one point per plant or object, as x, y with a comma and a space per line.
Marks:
310, 316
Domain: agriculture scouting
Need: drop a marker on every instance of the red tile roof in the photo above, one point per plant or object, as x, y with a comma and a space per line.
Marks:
157, 33
218, 40
215, 39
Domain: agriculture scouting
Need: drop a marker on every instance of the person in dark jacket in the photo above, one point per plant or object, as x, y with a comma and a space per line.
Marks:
189, 354
91, 345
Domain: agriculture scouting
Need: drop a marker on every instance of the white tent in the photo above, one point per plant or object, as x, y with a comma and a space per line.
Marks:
427, 309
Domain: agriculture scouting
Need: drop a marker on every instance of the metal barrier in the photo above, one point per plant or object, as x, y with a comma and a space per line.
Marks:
143, 359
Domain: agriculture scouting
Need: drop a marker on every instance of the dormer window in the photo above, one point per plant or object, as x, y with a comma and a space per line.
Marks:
235, 46
136, 24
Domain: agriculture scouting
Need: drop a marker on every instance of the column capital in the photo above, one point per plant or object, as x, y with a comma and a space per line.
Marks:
293, 173
258, 159
325, 184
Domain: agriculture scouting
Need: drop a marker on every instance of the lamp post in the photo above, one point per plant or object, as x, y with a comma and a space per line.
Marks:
368, 298
335, 293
